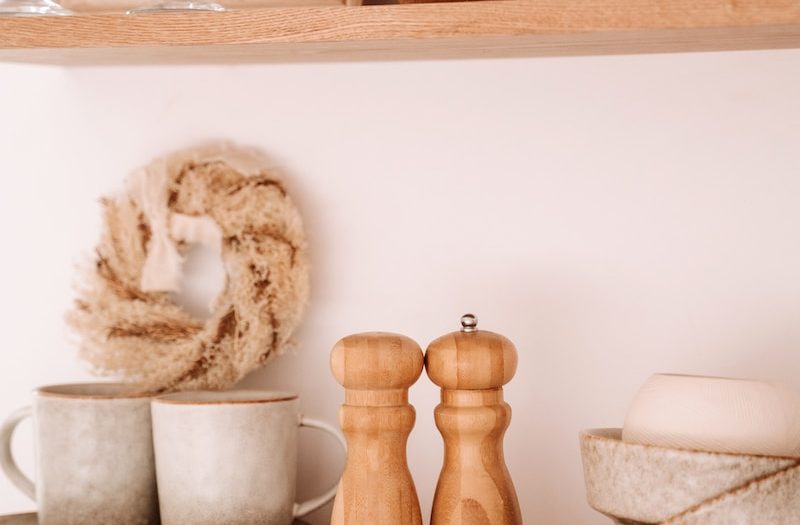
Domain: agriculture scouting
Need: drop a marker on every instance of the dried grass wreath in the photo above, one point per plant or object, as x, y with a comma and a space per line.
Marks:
220, 196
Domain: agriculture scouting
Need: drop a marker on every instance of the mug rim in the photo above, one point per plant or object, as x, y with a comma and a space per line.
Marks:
227, 397
97, 391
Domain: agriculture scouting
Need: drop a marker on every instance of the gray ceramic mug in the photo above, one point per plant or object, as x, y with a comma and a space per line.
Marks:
230, 458
94, 455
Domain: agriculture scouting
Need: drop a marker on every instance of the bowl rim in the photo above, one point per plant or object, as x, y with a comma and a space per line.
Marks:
614, 435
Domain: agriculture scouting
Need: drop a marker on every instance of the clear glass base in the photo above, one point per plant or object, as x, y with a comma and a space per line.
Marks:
31, 8
176, 5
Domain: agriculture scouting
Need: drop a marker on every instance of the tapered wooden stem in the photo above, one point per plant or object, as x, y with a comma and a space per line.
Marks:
474, 486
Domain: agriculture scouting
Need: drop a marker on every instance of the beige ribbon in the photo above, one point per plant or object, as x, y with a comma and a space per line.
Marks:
162, 269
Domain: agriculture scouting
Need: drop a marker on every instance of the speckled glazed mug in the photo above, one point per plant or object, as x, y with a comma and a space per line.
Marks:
230, 458
94, 455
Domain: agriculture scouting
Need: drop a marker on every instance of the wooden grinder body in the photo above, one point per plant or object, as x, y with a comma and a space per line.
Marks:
475, 487
376, 370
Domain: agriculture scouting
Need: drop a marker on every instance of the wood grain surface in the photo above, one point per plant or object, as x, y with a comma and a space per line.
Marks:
488, 28
376, 370
475, 486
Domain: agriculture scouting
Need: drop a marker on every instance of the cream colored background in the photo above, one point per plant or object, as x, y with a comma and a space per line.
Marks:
613, 216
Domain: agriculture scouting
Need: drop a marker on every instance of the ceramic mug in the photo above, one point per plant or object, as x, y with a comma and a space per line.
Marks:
230, 458
94, 455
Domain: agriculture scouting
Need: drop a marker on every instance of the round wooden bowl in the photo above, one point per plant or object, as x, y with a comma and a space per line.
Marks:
645, 485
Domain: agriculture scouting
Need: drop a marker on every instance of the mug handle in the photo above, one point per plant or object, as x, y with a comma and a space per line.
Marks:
7, 463
303, 508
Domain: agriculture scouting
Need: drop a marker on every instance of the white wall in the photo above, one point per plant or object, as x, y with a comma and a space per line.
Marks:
614, 216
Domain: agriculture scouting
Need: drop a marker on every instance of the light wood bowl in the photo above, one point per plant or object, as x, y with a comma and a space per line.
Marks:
645, 485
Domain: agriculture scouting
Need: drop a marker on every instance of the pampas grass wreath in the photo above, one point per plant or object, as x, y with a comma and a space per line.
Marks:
218, 195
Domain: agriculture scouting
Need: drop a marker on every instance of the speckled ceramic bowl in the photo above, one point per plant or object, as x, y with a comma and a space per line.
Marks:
646, 485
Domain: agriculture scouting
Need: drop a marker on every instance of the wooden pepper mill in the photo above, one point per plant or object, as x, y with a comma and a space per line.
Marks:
471, 366
376, 370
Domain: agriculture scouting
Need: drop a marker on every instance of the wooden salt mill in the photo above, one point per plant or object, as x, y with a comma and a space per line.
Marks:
376, 370
471, 366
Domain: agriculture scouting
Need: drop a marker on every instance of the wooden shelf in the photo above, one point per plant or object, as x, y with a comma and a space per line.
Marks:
490, 28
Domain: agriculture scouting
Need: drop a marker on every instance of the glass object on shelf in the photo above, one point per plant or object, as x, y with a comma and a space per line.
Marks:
31, 8
175, 5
